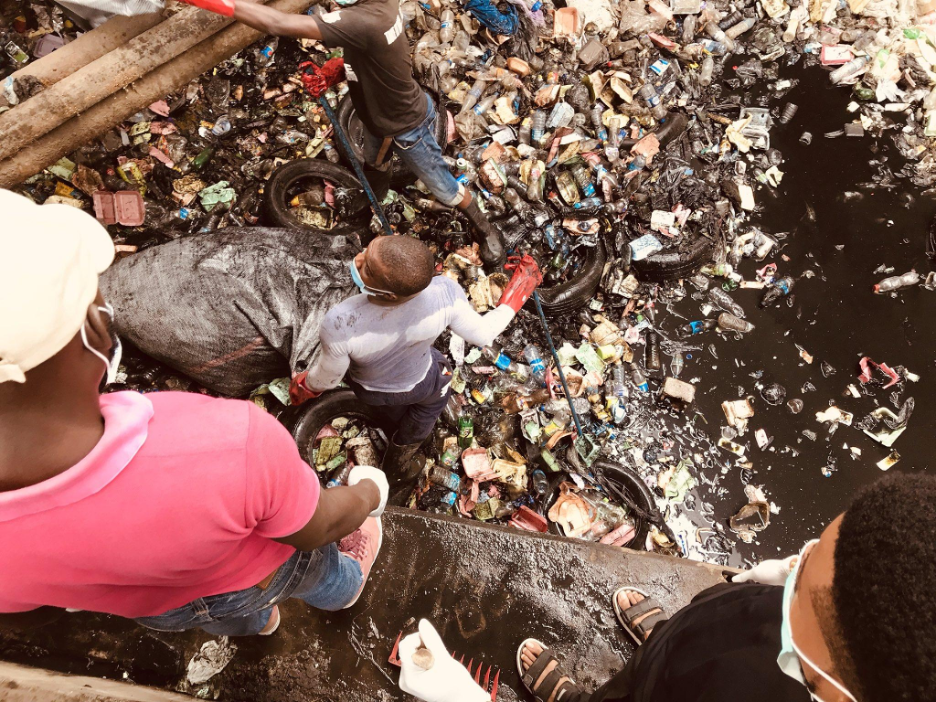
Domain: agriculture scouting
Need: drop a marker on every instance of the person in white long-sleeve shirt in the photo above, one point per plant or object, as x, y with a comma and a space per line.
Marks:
381, 341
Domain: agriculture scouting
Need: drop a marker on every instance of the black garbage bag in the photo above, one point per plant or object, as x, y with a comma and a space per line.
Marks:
235, 308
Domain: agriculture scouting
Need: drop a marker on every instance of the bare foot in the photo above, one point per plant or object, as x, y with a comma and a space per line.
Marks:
627, 599
528, 657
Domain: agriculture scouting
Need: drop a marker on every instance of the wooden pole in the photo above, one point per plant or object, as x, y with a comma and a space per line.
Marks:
117, 69
108, 113
88, 47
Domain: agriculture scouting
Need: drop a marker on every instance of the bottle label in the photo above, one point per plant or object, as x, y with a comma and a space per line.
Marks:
502, 362
267, 51
537, 365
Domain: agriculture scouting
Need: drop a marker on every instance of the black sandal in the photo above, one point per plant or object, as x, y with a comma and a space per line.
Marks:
567, 690
647, 606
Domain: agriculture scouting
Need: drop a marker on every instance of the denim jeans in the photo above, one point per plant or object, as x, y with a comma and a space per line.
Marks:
324, 578
420, 151
413, 413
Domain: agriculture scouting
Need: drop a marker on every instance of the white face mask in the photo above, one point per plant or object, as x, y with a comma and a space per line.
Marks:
791, 656
113, 362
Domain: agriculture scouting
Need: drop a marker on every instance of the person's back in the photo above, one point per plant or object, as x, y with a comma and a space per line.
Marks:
139, 533
389, 346
169, 507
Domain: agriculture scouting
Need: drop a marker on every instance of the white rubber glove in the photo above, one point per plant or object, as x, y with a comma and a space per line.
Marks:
446, 681
359, 473
771, 572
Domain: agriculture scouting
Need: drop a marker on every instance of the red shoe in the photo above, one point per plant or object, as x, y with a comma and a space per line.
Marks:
363, 546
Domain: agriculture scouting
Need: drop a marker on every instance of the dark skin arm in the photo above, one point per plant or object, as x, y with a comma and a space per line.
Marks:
280, 24
340, 511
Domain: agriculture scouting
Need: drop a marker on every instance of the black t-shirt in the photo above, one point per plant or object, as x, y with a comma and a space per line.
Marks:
723, 647
378, 65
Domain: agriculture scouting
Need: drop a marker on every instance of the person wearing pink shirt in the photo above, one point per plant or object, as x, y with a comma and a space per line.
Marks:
177, 510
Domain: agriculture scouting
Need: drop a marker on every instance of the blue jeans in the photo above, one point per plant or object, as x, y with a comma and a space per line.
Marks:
324, 578
413, 413
420, 151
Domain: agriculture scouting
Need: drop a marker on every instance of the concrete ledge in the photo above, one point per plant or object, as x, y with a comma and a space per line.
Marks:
21, 684
486, 588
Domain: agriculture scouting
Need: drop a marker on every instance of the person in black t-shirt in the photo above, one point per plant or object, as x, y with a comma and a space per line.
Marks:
850, 619
398, 116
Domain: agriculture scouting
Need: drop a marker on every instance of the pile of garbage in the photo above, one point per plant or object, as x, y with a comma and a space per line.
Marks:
615, 142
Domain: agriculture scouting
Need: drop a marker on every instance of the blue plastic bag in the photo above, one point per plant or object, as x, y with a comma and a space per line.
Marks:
486, 12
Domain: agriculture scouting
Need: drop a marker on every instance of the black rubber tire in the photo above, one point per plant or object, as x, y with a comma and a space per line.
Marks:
354, 128
636, 490
306, 421
574, 294
277, 210
663, 267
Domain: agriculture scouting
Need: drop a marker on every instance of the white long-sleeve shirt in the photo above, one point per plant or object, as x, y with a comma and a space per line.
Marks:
386, 347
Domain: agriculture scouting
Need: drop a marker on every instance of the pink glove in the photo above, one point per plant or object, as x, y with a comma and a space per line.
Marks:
298, 392
220, 7
525, 278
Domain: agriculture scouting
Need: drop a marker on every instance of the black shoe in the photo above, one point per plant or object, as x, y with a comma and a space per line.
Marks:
489, 239
402, 469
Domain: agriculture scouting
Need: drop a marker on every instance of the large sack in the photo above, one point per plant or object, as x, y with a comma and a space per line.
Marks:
235, 308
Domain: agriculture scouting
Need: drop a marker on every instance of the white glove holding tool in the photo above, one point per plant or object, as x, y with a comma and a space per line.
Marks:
432, 674
359, 473
770, 572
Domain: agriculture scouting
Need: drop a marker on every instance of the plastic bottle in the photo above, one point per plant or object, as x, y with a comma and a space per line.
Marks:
600, 130
652, 361
618, 389
538, 126
535, 360
848, 70
736, 30
705, 74
445, 478
731, 20
513, 198
339, 477
896, 282
780, 288
648, 94
474, 94
639, 379
613, 149
677, 364
582, 179
535, 186
525, 133
789, 110
698, 327
265, 55
539, 483
722, 300
502, 361
718, 35
465, 431
485, 104
447, 30
730, 322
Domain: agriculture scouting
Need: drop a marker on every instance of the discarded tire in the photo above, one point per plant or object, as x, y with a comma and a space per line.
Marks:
575, 293
631, 492
662, 267
284, 180
306, 421
354, 128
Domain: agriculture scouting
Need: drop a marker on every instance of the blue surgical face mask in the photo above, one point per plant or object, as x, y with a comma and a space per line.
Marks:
791, 656
362, 286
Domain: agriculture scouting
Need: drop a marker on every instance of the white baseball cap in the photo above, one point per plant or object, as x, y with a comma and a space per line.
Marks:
50, 259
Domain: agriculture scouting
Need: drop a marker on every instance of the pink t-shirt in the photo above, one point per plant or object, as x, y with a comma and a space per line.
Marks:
180, 499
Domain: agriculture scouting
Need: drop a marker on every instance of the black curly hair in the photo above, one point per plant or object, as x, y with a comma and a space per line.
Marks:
884, 591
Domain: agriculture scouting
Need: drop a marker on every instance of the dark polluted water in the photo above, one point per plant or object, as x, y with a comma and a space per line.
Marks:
835, 317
